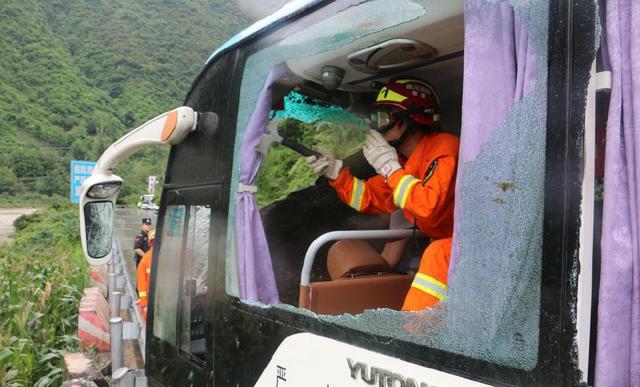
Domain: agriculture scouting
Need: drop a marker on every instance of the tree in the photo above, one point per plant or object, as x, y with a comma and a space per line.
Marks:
27, 162
8, 180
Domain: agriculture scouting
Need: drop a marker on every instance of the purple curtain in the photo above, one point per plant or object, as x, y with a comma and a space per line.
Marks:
499, 69
255, 272
618, 347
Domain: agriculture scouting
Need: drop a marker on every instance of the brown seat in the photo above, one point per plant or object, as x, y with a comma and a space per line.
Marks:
360, 280
348, 258
354, 295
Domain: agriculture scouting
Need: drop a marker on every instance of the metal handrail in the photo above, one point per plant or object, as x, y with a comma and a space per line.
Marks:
310, 256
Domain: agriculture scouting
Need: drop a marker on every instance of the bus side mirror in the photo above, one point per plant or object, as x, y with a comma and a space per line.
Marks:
97, 201
99, 192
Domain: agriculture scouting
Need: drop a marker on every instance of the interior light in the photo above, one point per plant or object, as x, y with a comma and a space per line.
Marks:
103, 190
331, 77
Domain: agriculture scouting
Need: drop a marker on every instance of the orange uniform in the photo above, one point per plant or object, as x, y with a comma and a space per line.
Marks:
424, 189
430, 283
143, 273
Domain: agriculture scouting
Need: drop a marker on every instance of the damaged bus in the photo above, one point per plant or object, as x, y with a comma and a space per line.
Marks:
248, 289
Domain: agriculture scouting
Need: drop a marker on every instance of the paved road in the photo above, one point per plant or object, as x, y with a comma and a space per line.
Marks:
7, 217
127, 225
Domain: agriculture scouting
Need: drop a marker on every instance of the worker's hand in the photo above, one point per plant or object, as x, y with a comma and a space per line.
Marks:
326, 165
382, 156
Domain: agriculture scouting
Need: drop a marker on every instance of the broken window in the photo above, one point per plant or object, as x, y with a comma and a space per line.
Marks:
309, 122
492, 308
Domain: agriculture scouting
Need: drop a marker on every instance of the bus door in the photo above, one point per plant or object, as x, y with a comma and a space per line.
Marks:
192, 216
181, 287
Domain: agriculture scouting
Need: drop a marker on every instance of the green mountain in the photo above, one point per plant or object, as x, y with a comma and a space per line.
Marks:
76, 75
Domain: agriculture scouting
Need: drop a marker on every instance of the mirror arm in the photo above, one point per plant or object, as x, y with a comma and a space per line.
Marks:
167, 128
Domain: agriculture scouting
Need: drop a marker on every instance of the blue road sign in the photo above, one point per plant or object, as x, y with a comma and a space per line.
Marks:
80, 171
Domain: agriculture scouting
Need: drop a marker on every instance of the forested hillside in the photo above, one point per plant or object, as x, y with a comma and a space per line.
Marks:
75, 75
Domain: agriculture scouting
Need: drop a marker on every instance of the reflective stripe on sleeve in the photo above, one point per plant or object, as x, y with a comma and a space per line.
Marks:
142, 294
430, 285
148, 271
403, 189
357, 194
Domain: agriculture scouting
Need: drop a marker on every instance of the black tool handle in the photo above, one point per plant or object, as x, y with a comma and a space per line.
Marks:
303, 150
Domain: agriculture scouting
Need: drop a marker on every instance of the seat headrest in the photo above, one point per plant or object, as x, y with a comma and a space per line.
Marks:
354, 257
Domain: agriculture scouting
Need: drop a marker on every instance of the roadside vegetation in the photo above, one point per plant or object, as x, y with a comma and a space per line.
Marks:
42, 276
77, 75
31, 200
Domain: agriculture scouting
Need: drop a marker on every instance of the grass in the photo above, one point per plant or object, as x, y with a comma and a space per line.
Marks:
42, 275
31, 200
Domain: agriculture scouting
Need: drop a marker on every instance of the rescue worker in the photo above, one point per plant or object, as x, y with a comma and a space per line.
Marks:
142, 274
141, 241
416, 168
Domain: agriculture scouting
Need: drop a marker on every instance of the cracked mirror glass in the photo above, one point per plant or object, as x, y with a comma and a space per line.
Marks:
98, 217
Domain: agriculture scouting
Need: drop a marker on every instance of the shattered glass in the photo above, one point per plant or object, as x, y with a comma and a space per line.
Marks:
314, 124
308, 110
98, 218
493, 311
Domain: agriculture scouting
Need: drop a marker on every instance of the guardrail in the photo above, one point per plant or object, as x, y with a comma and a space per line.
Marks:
124, 330
130, 331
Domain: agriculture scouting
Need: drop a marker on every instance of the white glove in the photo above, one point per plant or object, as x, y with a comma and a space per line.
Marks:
382, 156
326, 165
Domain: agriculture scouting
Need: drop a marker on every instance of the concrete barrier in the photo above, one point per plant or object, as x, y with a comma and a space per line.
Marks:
93, 320
99, 278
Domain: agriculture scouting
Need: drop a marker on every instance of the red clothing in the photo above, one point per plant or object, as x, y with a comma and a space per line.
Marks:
423, 188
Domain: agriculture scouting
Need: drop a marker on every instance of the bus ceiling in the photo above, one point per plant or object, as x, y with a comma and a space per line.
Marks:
428, 44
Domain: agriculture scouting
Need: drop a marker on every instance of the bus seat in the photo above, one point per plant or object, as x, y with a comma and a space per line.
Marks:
354, 295
352, 257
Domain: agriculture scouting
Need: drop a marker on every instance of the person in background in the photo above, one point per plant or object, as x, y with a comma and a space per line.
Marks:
416, 166
143, 273
141, 241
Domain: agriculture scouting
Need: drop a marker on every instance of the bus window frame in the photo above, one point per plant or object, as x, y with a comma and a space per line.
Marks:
570, 48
